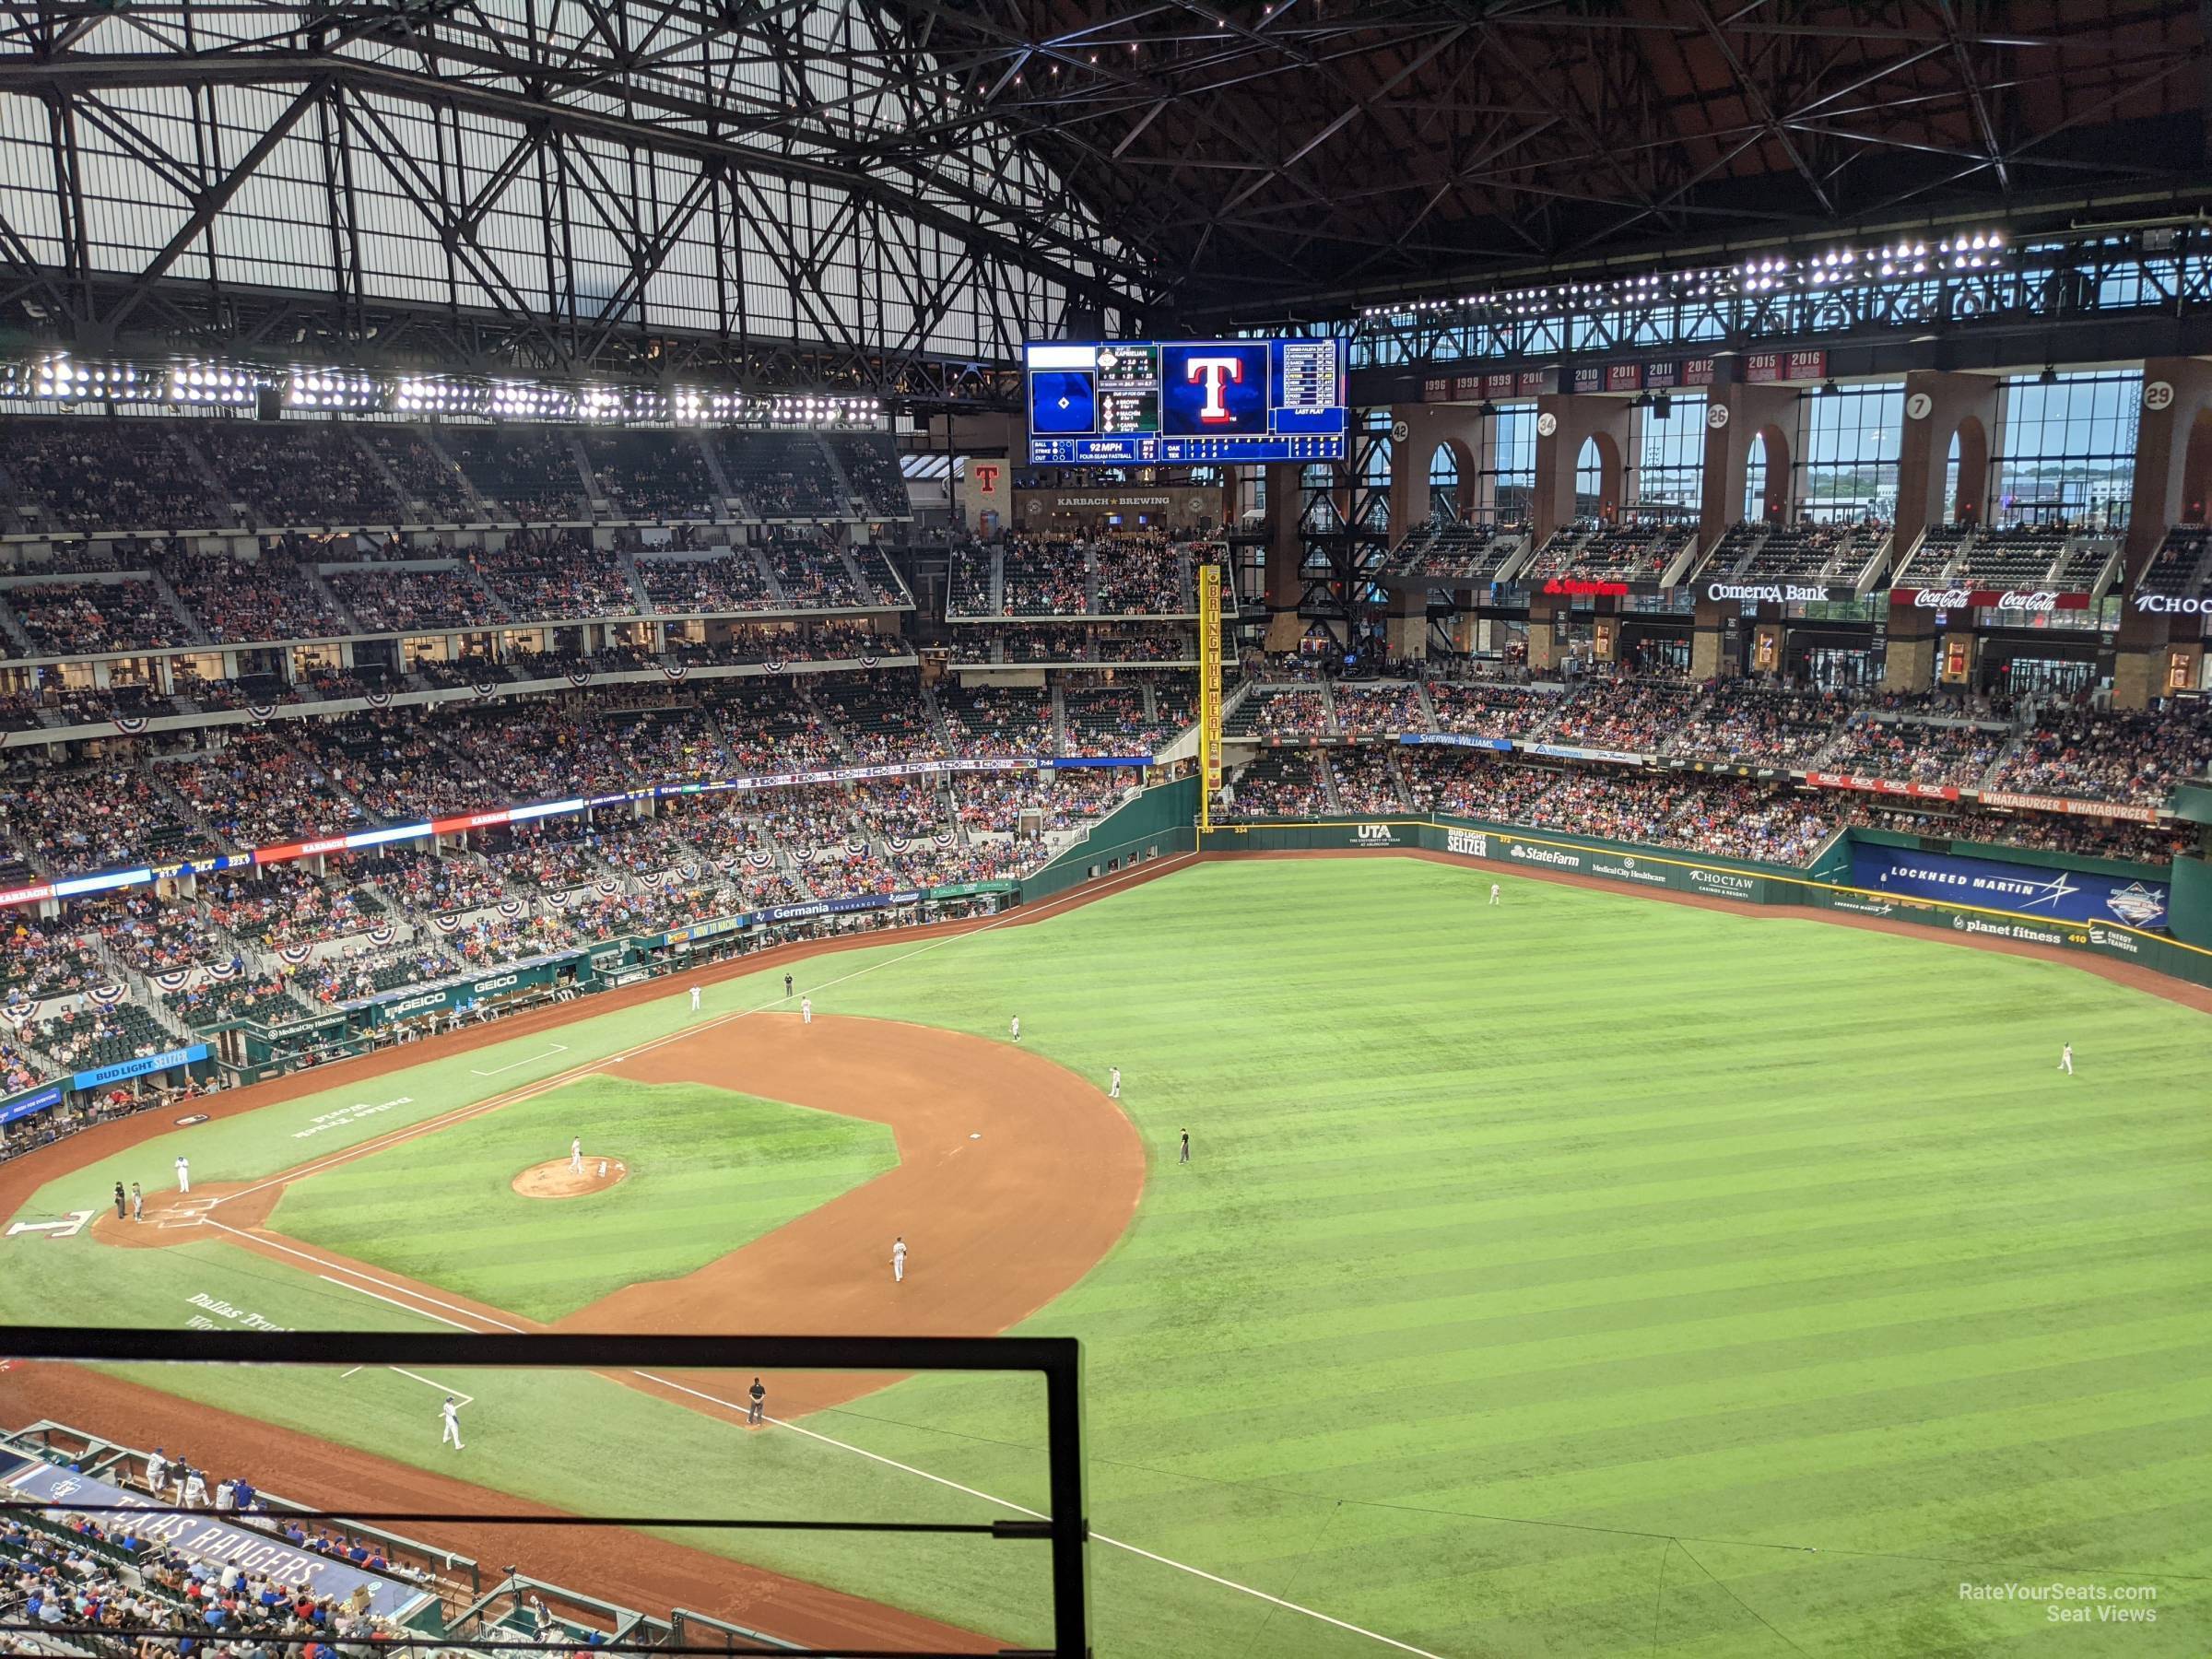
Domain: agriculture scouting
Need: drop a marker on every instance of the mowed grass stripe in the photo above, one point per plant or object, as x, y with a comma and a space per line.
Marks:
1580, 1209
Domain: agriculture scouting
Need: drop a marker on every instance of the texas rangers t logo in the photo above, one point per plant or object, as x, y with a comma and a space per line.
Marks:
1216, 372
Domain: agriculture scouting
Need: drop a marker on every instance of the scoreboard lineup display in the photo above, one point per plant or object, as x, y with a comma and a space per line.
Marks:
1187, 401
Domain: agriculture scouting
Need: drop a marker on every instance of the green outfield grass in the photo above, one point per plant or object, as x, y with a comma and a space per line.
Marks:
1581, 1276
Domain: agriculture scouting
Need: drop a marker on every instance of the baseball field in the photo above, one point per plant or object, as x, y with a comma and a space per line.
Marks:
1580, 1276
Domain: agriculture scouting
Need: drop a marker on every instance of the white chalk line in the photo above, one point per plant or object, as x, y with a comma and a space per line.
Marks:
893, 1462
558, 1048
462, 1115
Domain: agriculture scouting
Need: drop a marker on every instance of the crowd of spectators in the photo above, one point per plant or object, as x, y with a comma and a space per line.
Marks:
403, 601
423, 476
1635, 715
1379, 710
530, 470
2089, 754
1110, 720
274, 596
1750, 722
1043, 579
811, 571
1366, 781
650, 475
872, 469
86, 618
280, 906
780, 474
110, 474
257, 789
1492, 708
1725, 817
1287, 714
1281, 784
92, 818
1947, 752
723, 581
551, 572
296, 472
1141, 575
994, 721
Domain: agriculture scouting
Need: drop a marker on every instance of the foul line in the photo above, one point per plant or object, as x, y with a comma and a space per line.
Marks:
1404, 1647
558, 1048
737, 1410
461, 1114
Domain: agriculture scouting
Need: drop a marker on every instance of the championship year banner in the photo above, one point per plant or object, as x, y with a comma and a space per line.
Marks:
2024, 889
1209, 685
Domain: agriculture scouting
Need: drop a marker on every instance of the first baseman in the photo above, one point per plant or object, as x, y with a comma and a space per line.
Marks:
451, 1412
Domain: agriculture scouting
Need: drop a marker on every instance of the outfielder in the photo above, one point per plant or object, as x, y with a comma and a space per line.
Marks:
451, 1412
1018, 1027
1114, 1091
183, 1174
1493, 892
898, 1260
2066, 1059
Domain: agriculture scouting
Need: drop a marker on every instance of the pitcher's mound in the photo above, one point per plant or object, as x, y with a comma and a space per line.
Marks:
558, 1179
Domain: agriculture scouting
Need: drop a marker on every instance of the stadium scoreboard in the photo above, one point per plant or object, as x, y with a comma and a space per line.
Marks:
1185, 402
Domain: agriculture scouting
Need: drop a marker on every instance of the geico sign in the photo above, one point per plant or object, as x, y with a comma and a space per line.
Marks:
2166, 604
1772, 593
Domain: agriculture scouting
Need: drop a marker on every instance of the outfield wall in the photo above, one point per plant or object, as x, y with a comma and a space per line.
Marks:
1741, 881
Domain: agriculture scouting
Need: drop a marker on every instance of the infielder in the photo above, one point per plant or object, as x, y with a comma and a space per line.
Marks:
806, 1010
1493, 892
1018, 1027
1186, 1148
2066, 1059
1114, 1091
695, 999
898, 1260
183, 1174
137, 1203
451, 1412
576, 1155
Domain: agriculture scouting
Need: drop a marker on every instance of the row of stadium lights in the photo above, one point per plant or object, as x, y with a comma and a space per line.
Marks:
1961, 254
60, 378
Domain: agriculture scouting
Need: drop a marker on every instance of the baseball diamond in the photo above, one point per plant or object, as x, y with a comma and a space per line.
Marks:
1086, 829
1507, 1276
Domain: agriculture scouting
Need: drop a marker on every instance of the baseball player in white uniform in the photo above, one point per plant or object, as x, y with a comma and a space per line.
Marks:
576, 1154
1114, 1091
1018, 1027
695, 999
898, 1260
806, 1010
156, 1472
2066, 1059
451, 1413
1493, 892
183, 1174
196, 1491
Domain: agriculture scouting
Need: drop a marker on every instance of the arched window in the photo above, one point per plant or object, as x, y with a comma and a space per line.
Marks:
1754, 480
1589, 480
1443, 485
1950, 483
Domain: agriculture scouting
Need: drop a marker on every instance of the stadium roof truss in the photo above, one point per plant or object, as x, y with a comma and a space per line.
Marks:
794, 193
1303, 157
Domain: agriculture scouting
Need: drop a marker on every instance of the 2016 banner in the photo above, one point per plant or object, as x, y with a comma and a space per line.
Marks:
2022, 888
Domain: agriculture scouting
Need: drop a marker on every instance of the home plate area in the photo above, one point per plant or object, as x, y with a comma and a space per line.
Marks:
561, 1177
